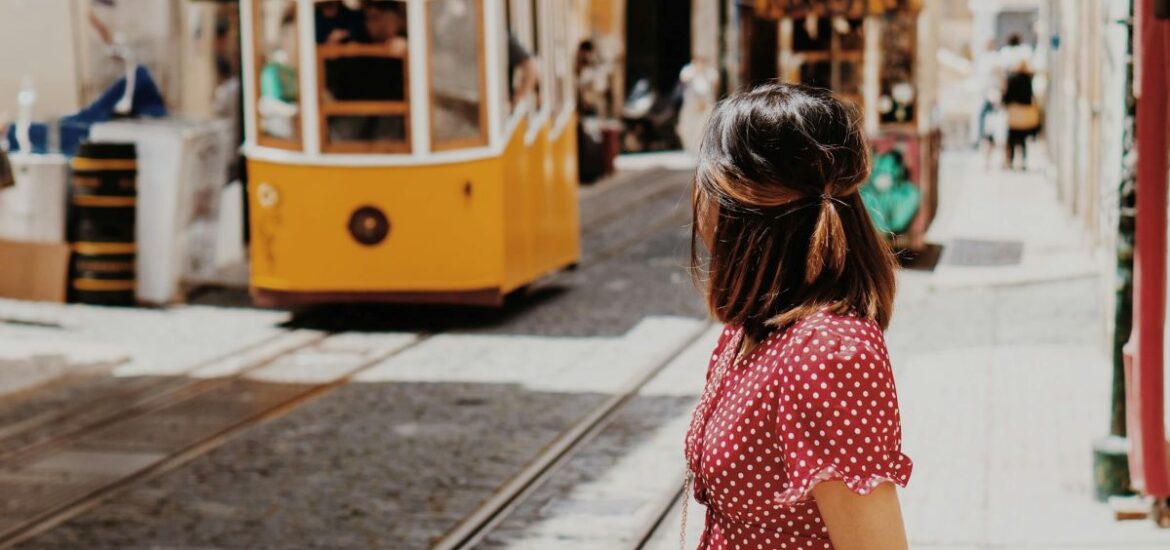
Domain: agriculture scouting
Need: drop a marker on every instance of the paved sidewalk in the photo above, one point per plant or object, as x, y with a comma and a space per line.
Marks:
41, 342
1004, 377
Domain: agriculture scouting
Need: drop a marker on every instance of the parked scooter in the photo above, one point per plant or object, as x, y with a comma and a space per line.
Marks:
649, 119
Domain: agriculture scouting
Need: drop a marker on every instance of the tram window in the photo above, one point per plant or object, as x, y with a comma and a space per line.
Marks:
523, 72
505, 40
277, 95
457, 108
560, 57
362, 76
534, 14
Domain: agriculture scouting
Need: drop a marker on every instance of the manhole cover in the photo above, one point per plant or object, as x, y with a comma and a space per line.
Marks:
967, 252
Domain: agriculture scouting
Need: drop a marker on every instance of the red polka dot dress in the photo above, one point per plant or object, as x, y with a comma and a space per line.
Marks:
811, 403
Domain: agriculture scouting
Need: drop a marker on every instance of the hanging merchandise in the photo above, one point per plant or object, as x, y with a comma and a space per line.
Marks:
143, 99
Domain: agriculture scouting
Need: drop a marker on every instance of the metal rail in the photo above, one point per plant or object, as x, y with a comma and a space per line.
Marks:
141, 399
480, 523
138, 399
69, 509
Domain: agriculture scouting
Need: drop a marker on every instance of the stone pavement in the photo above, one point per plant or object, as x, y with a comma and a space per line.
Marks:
41, 342
1004, 377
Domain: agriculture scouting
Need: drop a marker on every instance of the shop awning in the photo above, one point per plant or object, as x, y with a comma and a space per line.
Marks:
776, 9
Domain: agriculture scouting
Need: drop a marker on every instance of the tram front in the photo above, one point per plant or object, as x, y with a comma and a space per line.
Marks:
390, 158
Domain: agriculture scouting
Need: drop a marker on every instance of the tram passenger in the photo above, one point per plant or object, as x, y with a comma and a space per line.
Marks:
385, 23
279, 91
335, 23
371, 78
523, 71
592, 81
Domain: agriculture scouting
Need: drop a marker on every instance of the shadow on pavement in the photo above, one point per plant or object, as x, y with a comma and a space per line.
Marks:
372, 317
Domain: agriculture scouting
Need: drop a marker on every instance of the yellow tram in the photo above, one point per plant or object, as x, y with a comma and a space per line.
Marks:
408, 150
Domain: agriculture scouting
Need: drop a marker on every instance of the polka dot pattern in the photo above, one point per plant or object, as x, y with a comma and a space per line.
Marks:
811, 403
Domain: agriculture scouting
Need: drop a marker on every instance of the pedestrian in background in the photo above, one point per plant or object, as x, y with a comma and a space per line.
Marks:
796, 441
700, 81
988, 79
1023, 115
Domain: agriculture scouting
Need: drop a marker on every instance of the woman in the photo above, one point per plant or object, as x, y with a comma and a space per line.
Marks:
796, 442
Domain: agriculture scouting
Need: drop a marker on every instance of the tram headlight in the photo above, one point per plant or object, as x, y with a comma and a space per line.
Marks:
266, 195
368, 225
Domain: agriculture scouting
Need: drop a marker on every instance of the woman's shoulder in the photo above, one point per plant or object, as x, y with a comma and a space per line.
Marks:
833, 336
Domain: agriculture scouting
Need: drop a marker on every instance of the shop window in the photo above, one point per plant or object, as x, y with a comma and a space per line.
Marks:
278, 110
758, 38
829, 52
898, 97
363, 76
458, 113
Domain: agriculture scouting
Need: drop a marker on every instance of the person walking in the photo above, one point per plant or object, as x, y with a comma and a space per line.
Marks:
700, 83
1023, 115
796, 441
987, 79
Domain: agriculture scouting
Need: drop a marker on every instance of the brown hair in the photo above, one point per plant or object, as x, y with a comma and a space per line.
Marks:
781, 165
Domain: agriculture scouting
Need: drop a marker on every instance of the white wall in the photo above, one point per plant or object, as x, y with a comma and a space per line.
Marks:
36, 40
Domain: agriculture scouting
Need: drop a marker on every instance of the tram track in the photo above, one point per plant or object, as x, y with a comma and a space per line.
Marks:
664, 187
234, 411
136, 397
638, 193
647, 230
477, 525
119, 413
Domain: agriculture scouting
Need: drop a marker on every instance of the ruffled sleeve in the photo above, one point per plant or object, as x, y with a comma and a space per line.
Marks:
838, 410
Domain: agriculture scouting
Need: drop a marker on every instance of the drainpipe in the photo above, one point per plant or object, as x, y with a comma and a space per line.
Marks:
1153, 121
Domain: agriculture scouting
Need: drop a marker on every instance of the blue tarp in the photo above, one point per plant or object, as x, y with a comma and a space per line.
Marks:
147, 102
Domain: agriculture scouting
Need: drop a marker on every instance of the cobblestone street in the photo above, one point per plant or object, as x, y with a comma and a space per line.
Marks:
393, 425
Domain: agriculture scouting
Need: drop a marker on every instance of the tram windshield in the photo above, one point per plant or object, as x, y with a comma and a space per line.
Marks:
277, 72
362, 72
